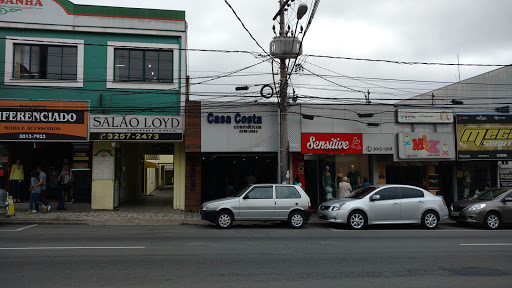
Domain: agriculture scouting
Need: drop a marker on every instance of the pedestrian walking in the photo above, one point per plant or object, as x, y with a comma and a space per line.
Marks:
16, 178
65, 181
344, 188
35, 190
42, 184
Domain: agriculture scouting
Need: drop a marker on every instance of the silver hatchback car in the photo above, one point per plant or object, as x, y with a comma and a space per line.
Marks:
385, 204
267, 202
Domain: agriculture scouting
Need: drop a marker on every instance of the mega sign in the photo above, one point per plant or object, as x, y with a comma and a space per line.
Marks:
332, 143
413, 145
486, 136
43, 121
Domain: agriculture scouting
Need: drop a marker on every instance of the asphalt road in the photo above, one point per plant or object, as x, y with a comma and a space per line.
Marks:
253, 256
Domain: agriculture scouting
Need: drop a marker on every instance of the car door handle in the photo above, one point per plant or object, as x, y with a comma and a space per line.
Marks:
421, 201
396, 204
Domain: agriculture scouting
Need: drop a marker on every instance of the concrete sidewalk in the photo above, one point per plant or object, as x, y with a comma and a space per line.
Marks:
81, 213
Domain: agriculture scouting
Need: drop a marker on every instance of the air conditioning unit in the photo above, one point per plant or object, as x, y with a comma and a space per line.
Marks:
286, 47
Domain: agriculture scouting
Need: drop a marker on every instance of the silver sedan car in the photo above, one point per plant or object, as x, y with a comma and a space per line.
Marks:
262, 202
385, 204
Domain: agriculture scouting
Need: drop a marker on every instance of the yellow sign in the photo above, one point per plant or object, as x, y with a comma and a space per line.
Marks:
11, 206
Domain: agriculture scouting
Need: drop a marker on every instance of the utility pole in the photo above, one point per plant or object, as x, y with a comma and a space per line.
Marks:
283, 103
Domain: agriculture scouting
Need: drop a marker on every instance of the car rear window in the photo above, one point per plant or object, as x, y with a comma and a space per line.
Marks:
406, 193
287, 192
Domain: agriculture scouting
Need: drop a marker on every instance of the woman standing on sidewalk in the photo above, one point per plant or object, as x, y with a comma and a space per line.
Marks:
65, 180
16, 178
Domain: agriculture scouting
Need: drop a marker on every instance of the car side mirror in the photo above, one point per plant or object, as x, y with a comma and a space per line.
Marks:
246, 196
507, 199
375, 198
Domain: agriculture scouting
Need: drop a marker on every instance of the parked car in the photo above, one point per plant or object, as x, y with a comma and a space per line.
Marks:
385, 204
267, 202
490, 208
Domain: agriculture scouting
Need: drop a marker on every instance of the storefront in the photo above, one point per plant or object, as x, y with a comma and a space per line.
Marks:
484, 147
238, 147
127, 150
426, 160
329, 157
46, 133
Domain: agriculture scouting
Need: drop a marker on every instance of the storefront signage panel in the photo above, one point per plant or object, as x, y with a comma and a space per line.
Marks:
379, 143
332, 143
506, 180
484, 136
36, 121
246, 129
424, 116
426, 146
136, 128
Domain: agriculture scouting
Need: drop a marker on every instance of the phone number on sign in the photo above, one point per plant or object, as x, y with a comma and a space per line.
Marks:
32, 136
129, 136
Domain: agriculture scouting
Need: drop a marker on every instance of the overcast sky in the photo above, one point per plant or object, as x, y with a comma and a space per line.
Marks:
425, 31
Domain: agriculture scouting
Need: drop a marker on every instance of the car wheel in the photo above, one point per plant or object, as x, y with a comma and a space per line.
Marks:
492, 221
296, 220
357, 220
429, 220
224, 219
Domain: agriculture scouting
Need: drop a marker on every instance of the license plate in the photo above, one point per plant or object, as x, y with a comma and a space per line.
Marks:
455, 213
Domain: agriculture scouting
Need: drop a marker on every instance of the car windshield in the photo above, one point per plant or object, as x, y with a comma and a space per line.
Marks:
361, 192
241, 191
490, 194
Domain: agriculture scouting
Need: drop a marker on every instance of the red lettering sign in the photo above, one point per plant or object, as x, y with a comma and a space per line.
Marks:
332, 143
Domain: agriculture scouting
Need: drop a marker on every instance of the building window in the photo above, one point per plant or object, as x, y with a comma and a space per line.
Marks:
135, 65
45, 62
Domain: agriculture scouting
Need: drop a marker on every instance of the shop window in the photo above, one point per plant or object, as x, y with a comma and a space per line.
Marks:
134, 65
260, 193
388, 194
407, 193
45, 62
287, 192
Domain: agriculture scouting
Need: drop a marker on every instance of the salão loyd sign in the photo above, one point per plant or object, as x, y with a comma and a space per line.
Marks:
484, 136
43, 121
136, 128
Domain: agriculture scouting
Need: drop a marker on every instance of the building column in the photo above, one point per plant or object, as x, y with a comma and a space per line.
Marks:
102, 194
179, 176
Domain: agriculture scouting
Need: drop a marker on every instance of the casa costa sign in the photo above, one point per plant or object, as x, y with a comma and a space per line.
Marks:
332, 143
136, 128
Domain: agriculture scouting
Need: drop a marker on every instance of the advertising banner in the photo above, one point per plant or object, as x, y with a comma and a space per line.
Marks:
136, 128
379, 143
239, 129
424, 116
332, 143
484, 136
43, 121
426, 146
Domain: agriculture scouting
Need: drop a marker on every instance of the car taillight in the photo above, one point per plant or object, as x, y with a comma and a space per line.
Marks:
444, 202
309, 206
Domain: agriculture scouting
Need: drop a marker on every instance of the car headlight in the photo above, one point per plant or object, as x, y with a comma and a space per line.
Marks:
476, 207
337, 207
205, 207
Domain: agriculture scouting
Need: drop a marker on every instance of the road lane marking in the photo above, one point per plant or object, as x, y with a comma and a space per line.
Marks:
62, 248
488, 244
415, 230
19, 229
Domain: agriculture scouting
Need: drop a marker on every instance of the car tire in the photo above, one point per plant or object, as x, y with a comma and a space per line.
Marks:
224, 219
429, 219
296, 220
492, 221
357, 220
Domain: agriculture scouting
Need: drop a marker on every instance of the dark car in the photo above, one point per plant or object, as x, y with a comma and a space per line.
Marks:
490, 208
